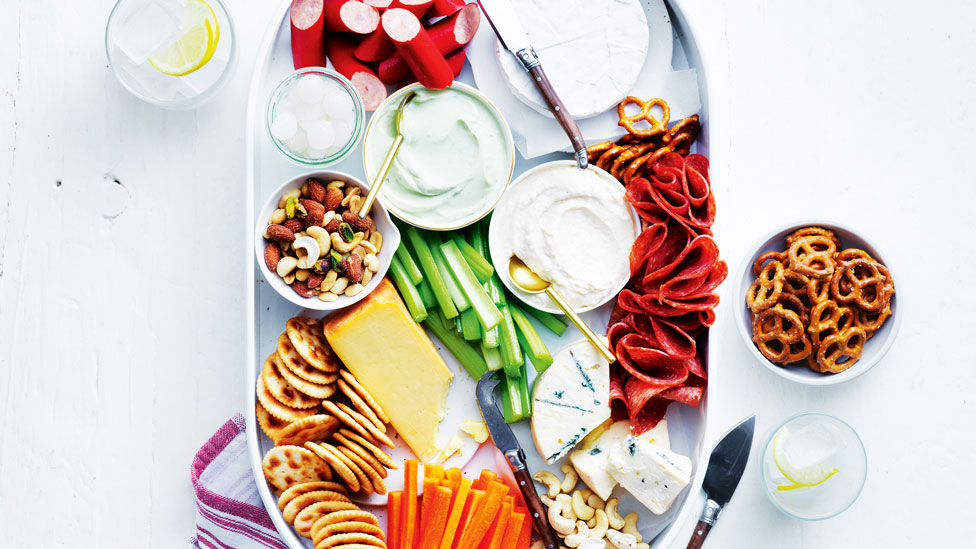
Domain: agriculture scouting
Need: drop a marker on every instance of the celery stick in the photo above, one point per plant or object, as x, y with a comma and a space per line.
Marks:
491, 338
511, 351
470, 326
493, 357
555, 324
468, 356
434, 243
431, 274
530, 340
488, 313
478, 240
403, 254
411, 297
512, 401
427, 294
526, 394
479, 265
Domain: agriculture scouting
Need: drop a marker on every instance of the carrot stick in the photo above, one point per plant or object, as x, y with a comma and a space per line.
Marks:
439, 508
433, 471
493, 538
473, 504
525, 534
409, 503
480, 518
512, 530
393, 502
457, 507
430, 486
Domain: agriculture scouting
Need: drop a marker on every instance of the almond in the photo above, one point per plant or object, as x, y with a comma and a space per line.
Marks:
294, 225
333, 198
272, 255
281, 233
314, 280
352, 267
358, 225
333, 225
315, 215
301, 289
316, 190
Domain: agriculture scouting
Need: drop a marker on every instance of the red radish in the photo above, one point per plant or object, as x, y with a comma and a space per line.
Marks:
350, 16
370, 88
379, 4
443, 8
416, 7
417, 48
448, 34
307, 35
456, 61
375, 47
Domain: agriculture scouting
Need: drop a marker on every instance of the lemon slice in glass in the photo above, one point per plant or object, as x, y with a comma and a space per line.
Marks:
195, 47
801, 477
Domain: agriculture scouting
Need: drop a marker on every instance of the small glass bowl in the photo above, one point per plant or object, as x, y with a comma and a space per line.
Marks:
805, 503
357, 131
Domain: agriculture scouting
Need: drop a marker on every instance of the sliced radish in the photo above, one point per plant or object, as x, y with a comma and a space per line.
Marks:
307, 34
350, 16
448, 34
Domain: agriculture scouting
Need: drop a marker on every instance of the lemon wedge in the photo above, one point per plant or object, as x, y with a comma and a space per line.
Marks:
195, 47
805, 477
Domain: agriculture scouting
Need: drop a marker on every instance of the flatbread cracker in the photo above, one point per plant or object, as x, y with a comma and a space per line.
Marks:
306, 517
305, 488
375, 478
291, 359
339, 466
378, 452
283, 392
271, 425
340, 517
348, 527
310, 429
362, 538
308, 339
379, 433
277, 409
360, 404
364, 394
314, 390
362, 453
285, 466
365, 484
296, 505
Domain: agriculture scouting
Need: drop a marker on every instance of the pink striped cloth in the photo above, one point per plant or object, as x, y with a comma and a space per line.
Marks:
229, 510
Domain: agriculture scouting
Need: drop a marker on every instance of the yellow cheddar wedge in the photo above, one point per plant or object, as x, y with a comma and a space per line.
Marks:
395, 361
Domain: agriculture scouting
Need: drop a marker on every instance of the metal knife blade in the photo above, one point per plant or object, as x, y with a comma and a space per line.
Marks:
501, 433
504, 21
728, 461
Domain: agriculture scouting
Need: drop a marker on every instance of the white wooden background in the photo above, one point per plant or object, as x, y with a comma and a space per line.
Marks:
121, 245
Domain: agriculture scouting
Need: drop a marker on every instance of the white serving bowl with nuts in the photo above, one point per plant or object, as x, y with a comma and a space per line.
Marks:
312, 247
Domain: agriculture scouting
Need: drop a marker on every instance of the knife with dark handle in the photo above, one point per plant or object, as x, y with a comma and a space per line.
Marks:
504, 439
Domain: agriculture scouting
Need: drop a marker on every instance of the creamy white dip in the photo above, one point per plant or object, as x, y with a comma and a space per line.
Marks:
573, 227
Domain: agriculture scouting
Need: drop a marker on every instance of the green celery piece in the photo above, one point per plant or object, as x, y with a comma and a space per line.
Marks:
530, 340
470, 326
431, 273
488, 313
493, 357
511, 351
525, 393
411, 297
552, 322
434, 243
512, 400
468, 356
427, 294
492, 337
478, 265
403, 254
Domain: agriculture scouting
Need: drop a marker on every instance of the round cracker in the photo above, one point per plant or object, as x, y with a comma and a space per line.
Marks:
340, 517
305, 488
352, 482
271, 425
364, 394
378, 433
310, 429
307, 517
293, 360
360, 404
314, 390
378, 452
283, 392
285, 466
347, 527
362, 453
375, 478
361, 538
365, 485
277, 409
296, 505
307, 337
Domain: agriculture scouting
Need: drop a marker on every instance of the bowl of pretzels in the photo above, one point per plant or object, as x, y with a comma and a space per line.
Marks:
817, 303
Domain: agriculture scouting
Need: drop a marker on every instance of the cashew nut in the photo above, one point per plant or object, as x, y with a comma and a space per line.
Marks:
630, 526
569, 482
371, 262
567, 503
562, 525
548, 479
643, 546
321, 236
577, 537
600, 526
546, 500
286, 265
360, 251
294, 193
616, 521
302, 275
277, 217
622, 541
376, 239
354, 204
307, 250
354, 191
344, 247
288, 279
595, 501
335, 184
537, 544
580, 507
340, 285
593, 543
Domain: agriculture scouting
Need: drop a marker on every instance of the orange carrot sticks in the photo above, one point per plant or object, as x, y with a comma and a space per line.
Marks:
440, 506
393, 502
457, 507
409, 504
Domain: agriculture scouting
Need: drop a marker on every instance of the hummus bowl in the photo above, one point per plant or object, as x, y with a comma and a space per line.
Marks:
574, 228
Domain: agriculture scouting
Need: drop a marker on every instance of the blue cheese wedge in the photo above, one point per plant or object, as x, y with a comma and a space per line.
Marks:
592, 459
570, 399
652, 473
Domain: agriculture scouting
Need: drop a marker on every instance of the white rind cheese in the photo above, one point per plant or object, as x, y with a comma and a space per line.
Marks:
650, 472
570, 399
592, 459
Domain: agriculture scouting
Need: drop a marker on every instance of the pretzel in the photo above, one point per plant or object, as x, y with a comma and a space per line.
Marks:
682, 134
765, 291
643, 161
818, 290
774, 330
657, 127
853, 253
813, 231
827, 319
867, 285
605, 159
593, 152
812, 256
871, 321
799, 350
848, 343
792, 302
757, 265
629, 154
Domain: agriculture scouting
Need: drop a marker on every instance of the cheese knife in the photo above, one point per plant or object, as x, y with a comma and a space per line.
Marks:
504, 439
504, 20
725, 467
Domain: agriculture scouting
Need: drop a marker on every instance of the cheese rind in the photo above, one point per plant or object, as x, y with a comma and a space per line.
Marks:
392, 357
592, 459
651, 473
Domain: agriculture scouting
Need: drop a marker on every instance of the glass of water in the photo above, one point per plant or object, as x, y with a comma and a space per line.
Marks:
172, 53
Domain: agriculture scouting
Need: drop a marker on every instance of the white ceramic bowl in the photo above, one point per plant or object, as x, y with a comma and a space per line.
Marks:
874, 349
500, 253
381, 219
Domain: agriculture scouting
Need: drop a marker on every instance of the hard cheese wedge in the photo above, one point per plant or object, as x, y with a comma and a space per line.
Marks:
395, 361
652, 473
592, 459
570, 399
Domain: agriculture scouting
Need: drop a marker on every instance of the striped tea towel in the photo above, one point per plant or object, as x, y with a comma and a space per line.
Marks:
229, 510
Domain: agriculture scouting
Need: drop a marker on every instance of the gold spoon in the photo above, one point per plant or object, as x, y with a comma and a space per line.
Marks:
374, 187
526, 279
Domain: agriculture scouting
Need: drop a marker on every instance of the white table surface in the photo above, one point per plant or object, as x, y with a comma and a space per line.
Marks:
121, 322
